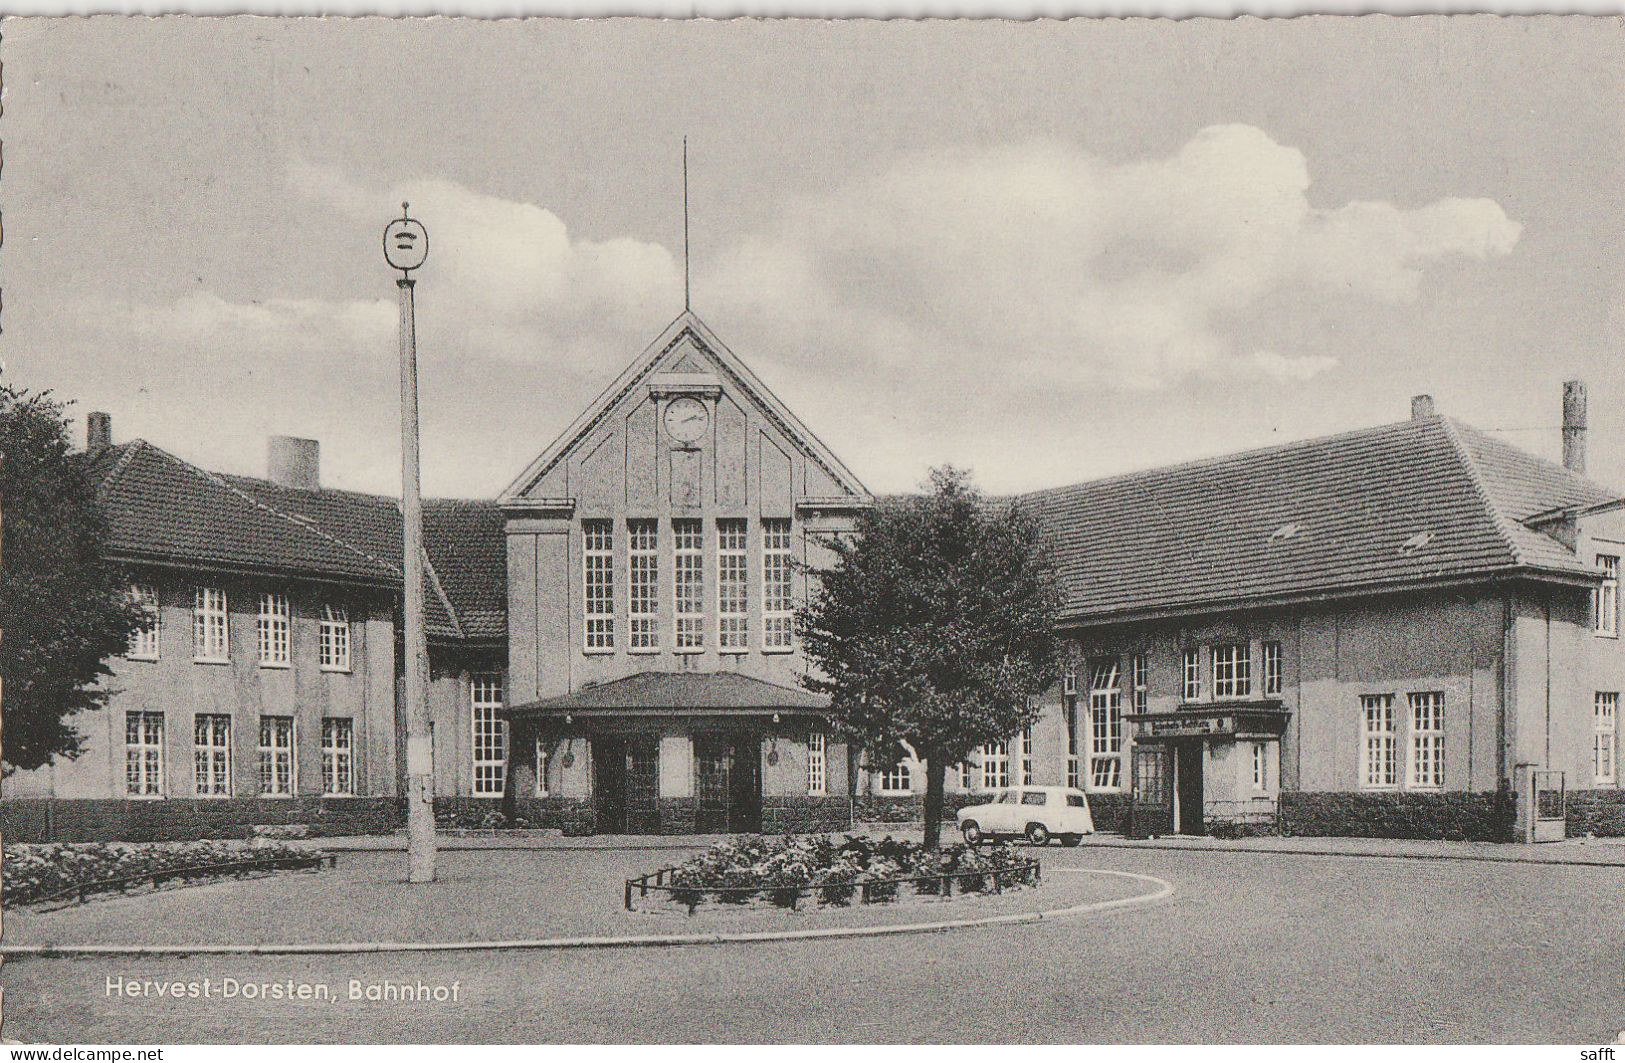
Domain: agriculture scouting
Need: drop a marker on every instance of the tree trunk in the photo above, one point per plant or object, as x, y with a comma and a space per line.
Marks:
936, 773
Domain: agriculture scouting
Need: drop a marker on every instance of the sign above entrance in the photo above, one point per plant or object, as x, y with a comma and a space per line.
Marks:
1250, 720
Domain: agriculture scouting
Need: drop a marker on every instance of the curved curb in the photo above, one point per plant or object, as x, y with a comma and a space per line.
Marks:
1164, 890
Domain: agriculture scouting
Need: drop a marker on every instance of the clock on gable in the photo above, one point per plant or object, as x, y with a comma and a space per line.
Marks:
686, 419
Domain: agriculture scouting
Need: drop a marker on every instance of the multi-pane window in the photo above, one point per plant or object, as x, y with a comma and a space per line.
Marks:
817, 764
276, 756
733, 586
1272, 670
1379, 759
338, 756
996, 766
643, 583
598, 566
1028, 763
778, 613
273, 629
144, 643
1232, 670
334, 639
210, 640
211, 754
1261, 778
143, 754
1105, 726
1604, 738
490, 736
1605, 597
1139, 667
897, 779
1427, 740
1191, 676
541, 766
688, 584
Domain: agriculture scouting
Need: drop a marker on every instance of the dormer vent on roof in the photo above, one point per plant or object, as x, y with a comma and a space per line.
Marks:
1416, 542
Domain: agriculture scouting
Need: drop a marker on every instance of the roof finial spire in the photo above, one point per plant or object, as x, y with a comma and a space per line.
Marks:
686, 303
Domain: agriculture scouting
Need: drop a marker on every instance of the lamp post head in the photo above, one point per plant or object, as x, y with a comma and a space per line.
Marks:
406, 242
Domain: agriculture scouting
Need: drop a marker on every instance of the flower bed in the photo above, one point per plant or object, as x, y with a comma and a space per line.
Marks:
35, 873
821, 869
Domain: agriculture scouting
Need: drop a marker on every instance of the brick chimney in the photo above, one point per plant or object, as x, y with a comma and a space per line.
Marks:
296, 463
1421, 407
1574, 426
98, 432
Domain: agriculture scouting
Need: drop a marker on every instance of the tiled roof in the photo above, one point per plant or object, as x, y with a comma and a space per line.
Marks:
1421, 500
702, 691
162, 508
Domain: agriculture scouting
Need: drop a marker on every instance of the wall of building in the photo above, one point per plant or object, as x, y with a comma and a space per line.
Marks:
180, 688
629, 467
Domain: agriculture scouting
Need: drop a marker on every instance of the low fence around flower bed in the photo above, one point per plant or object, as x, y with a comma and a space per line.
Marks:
83, 890
1026, 873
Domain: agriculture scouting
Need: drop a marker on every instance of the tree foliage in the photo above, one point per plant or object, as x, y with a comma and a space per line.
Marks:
64, 610
933, 628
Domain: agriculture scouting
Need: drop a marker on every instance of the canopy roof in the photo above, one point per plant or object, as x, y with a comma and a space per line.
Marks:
669, 693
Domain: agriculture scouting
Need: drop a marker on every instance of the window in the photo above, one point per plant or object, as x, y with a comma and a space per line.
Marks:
1272, 669
1033, 797
962, 773
1604, 738
273, 630
777, 610
1379, 768
1232, 670
210, 640
817, 765
338, 756
643, 583
598, 568
144, 643
490, 736
1605, 598
1105, 726
541, 766
335, 639
897, 779
1191, 673
276, 756
1427, 740
689, 585
1261, 778
996, 766
1027, 762
733, 586
1139, 667
211, 755
143, 754
1076, 801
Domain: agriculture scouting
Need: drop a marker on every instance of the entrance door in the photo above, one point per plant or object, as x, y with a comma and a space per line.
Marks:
1188, 757
609, 785
1152, 812
729, 783
625, 773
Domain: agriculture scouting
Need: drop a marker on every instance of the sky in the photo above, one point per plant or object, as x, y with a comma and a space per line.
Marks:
1046, 251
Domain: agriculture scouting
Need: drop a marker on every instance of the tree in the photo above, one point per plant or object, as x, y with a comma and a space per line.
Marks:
64, 609
933, 629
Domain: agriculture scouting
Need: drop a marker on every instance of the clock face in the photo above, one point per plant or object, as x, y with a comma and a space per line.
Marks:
685, 419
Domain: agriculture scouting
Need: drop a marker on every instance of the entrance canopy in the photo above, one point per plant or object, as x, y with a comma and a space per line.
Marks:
676, 694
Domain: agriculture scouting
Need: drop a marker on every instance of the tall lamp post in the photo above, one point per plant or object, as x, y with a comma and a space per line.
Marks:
406, 245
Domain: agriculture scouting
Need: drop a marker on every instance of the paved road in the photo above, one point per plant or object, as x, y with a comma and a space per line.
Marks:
1253, 948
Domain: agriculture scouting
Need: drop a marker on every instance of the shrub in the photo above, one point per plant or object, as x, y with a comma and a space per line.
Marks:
785, 870
34, 872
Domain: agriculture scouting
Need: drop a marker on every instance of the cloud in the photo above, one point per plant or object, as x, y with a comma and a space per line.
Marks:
1069, 271
921, 314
